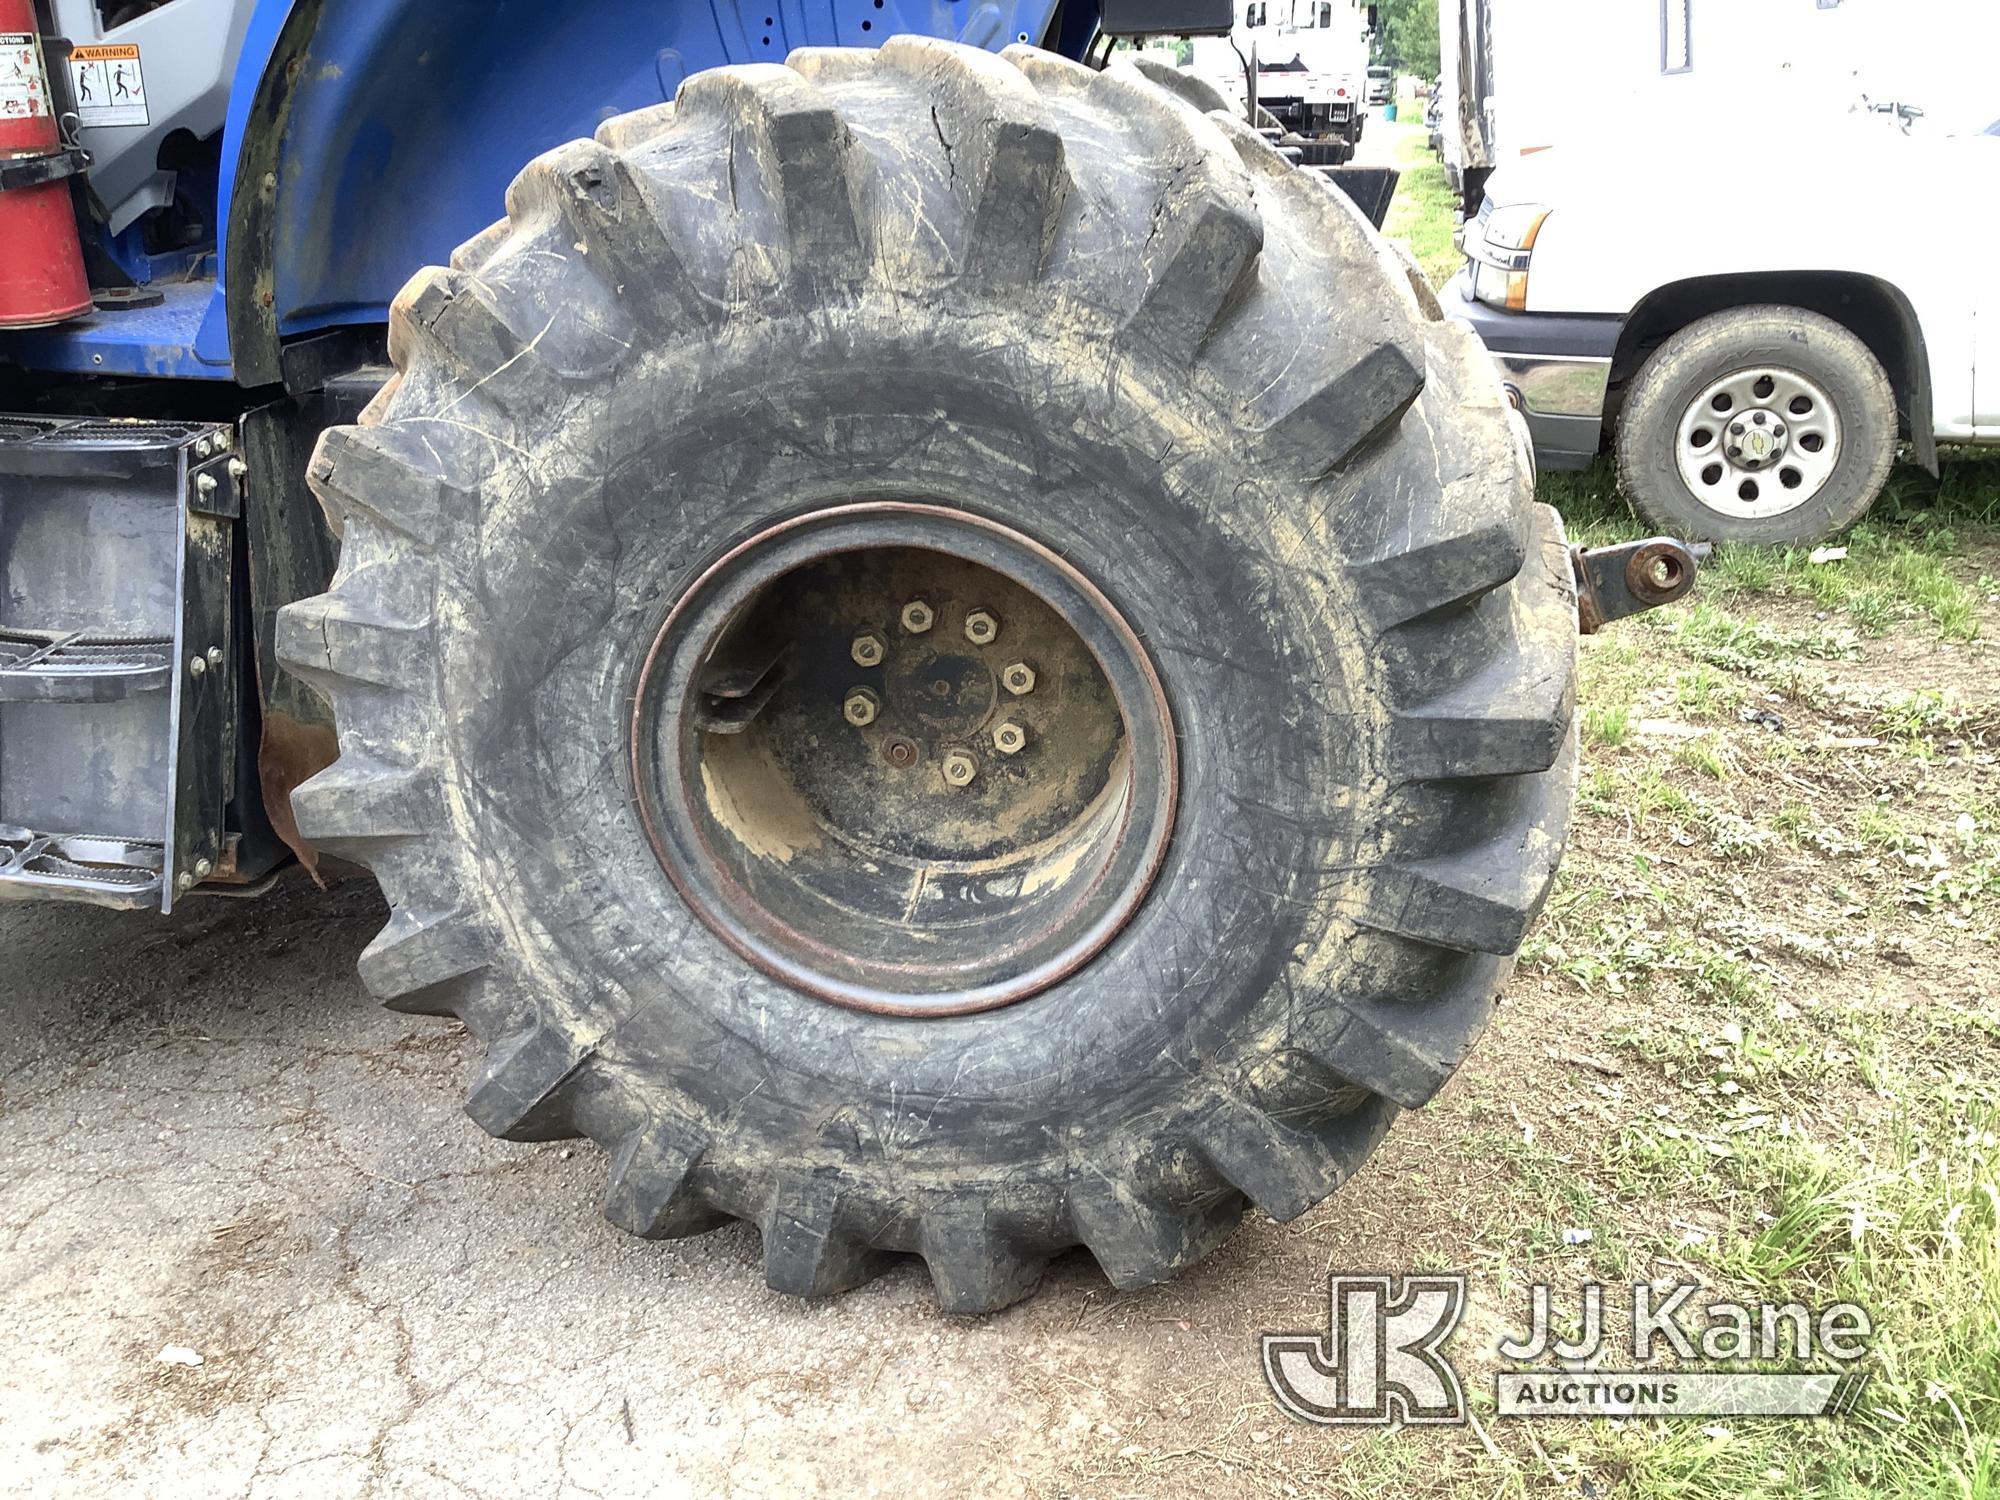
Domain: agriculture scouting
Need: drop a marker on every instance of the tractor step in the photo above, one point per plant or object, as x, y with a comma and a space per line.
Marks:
117, 543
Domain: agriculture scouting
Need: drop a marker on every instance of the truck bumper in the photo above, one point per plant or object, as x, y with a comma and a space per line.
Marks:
1556, 368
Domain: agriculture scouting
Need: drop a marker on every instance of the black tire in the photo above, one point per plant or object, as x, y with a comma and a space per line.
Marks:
1786, 338
1064, 301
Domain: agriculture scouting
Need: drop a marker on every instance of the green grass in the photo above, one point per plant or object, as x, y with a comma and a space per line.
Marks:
1420, 215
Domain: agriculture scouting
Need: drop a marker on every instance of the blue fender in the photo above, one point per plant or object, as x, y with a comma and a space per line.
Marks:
367, 138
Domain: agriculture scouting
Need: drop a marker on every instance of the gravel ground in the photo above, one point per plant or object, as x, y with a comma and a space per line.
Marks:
211, 1138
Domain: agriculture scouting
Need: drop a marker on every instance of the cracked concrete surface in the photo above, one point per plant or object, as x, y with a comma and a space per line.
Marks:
210, 1136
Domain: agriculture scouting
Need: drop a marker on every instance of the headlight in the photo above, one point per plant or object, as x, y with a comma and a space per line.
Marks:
1500, 248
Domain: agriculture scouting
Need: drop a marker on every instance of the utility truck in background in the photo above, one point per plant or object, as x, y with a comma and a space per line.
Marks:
1521, 76
1311, 64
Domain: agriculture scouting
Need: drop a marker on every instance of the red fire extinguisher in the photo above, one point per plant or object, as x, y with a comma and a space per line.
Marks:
41, 261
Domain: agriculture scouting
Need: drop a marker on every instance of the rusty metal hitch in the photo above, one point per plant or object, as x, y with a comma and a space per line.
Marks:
1631, 578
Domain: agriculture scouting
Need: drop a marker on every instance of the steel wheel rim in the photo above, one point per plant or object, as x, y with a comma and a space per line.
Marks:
1758, 442
1117, 843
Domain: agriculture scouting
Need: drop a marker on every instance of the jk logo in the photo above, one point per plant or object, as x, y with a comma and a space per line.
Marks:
1379, 1360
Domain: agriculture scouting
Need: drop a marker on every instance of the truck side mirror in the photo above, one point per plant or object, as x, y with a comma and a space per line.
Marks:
1371, 20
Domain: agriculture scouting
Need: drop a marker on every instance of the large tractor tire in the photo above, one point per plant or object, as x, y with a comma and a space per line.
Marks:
931, 648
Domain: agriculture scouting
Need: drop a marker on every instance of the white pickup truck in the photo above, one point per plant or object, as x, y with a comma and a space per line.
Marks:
1749, 327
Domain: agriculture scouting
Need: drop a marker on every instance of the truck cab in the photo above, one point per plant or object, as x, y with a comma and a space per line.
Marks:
1622, 325
1311, 58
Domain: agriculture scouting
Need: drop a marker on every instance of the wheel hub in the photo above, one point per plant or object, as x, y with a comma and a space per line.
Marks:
904, 759
1758, 442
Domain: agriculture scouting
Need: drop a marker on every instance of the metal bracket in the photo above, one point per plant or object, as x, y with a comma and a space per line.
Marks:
1631, 578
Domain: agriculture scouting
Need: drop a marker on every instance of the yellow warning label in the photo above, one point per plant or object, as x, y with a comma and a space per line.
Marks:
106, 81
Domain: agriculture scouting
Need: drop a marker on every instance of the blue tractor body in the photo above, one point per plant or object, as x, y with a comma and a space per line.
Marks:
365, 138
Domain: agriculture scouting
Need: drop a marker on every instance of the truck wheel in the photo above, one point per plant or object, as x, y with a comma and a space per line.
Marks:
917, 656
1759, 424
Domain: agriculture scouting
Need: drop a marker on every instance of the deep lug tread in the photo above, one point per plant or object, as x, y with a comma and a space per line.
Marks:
1512, 716
637, 128
806, 1253
975, 1265
1483, 899
518, 1094
1205, 274
412, 962
806, 146
447, 314
1000, 140
356, 804
1442, 566
476, 251
377, 471
1406, 1050
650, 1192
329, 636
1285, 1166
1137, 1241
1327, 427
610, 208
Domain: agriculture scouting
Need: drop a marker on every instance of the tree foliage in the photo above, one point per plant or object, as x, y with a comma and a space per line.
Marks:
1406, 35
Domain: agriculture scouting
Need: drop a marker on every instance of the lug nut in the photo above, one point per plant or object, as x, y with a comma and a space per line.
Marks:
1735, 451
1737, 428
959, 767
860, 708
1009, 738
981, 628
1018, 678
1758, 418
918, 617
867, 650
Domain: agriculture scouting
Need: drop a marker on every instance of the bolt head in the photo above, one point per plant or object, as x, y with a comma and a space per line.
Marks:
204, 867
1018, 678
204, 484
184, 881
867, 650
1009, 738
214, 655
202, 448
238, 468
981, 628
918, 617
959, 768
860, 708
197, 665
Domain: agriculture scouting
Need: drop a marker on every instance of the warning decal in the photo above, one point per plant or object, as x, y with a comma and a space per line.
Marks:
107, 84
22, 96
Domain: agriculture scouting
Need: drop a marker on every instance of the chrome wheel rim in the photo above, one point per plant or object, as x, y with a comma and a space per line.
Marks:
1758, 442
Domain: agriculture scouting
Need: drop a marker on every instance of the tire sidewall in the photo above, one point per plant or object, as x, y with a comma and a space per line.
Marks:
1153, 497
